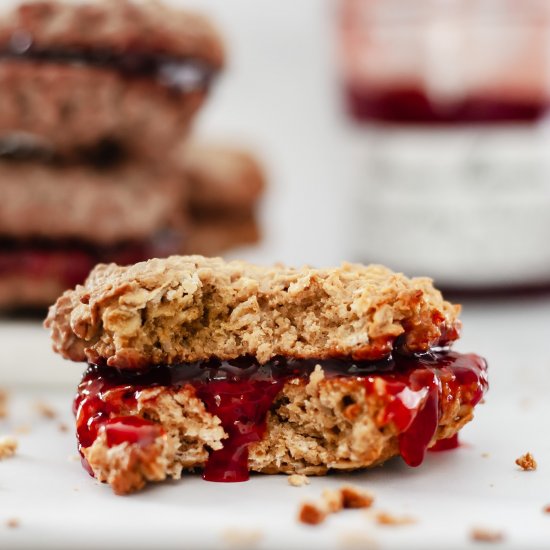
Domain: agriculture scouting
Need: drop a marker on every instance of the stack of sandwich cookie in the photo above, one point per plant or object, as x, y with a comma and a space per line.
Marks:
94, 97
195, 363
74, 75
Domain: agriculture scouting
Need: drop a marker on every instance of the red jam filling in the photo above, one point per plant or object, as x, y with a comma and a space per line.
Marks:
241, 392
413, 106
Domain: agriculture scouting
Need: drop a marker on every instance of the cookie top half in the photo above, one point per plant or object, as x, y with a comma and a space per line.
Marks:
191, 308
109, 27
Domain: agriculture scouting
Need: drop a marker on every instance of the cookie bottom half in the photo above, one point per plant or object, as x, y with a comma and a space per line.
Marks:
229, 418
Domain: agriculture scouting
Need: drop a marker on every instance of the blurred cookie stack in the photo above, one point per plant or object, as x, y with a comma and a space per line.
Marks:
95, 100
224, 185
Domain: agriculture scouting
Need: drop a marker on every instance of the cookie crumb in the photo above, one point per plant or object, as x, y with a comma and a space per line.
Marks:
8, 446
354, 498
12, 523
527, 462
241, 538
3, 403
546, 509
485, 455
298, 480
63, 427
332, 500
385, 518
479, 534
23, 429
311, 514
45, 410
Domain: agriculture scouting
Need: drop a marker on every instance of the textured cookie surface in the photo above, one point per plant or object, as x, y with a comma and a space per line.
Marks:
188, 308
314, 426
110, 25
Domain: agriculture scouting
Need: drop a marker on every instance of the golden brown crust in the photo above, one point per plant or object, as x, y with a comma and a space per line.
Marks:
309, 431
113, 25
189, 308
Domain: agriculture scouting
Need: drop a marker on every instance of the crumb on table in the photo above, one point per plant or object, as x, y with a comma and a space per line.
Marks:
298, 480
385, 518
23, 429
527, 462
8, 446
480, 534
355, 498
12, 523
311, 514
332, 500
45, 410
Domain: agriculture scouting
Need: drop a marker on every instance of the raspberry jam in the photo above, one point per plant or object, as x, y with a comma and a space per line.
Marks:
241, 393
413, 106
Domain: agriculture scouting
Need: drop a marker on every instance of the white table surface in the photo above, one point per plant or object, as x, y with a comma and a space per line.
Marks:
60, 506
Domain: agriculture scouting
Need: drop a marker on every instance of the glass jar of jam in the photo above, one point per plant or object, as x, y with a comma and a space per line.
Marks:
447, 100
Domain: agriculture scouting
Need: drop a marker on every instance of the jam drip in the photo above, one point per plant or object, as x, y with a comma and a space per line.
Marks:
242, 406
241, 393
445, 444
